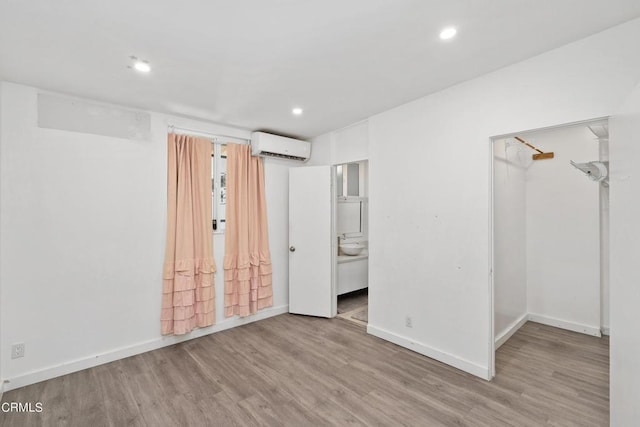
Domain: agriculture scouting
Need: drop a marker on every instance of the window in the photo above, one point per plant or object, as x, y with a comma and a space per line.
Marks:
219, 186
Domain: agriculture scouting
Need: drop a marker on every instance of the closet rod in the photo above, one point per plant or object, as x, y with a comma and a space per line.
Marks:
541, 154
173, 128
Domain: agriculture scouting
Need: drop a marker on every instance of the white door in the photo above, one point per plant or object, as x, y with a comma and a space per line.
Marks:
310, 242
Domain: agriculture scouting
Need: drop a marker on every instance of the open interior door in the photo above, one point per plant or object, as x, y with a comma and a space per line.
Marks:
310, 243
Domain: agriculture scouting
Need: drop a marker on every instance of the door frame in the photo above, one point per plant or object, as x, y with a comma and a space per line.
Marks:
334, 229
334, 242
491, 347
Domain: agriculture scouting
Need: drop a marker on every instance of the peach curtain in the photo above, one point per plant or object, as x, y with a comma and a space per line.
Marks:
247, 260
188, 296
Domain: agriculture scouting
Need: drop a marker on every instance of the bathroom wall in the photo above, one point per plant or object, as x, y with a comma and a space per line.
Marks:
82, 234
563, 232
510, 163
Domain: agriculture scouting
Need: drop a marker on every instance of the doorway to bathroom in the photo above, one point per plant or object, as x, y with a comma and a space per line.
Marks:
329, 241
352, 242
550, 242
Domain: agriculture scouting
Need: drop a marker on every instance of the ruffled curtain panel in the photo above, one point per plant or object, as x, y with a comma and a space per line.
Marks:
247, 260
188, 296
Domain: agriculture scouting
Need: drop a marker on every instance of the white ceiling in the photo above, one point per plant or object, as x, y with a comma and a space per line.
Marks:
248, 62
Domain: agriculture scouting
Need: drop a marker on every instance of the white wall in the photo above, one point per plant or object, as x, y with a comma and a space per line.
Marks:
349, 144
510, 263
2, 348
429, 188
82, 242
624, 151
563, 232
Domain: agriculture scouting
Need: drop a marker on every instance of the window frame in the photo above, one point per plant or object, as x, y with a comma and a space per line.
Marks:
217, 189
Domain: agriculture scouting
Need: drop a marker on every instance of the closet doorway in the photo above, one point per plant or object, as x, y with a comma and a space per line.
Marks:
550, 235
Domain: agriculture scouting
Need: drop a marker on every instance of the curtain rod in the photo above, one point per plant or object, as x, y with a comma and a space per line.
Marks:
213, 136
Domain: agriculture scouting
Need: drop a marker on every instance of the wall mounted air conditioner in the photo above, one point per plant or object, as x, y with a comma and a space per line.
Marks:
268, 145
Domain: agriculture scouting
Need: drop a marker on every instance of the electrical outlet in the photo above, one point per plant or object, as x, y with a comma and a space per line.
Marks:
17, 350
408, 322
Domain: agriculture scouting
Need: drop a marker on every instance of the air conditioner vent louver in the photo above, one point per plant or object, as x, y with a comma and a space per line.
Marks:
280, 156
280, 147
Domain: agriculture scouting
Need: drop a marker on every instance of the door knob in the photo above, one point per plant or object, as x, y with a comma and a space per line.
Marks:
292, 248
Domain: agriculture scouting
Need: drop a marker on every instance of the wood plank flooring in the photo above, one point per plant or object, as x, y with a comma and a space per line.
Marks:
304, 371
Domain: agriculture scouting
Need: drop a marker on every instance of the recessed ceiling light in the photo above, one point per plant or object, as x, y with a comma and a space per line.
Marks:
297, 111
448, 33
142, 66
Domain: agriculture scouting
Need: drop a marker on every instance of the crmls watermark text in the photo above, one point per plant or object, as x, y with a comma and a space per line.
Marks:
21, 407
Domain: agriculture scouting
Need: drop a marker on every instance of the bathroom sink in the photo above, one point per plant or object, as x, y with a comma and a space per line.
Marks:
351, 248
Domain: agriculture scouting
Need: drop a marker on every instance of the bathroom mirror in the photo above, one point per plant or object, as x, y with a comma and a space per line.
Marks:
348, 176
349, 223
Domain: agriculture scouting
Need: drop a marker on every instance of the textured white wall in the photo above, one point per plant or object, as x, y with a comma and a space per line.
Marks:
82, 241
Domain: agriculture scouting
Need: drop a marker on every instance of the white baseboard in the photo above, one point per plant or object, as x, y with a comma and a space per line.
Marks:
605, 330
511, 329
449, 359
100, 359
563, 324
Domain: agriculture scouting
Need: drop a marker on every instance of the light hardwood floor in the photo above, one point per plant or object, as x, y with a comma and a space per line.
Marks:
304, 371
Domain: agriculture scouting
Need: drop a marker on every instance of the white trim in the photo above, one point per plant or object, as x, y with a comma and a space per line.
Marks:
492, 312
552, 127
605, 330
449, 359
334, 243
564, 324
117, 354
503, 336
